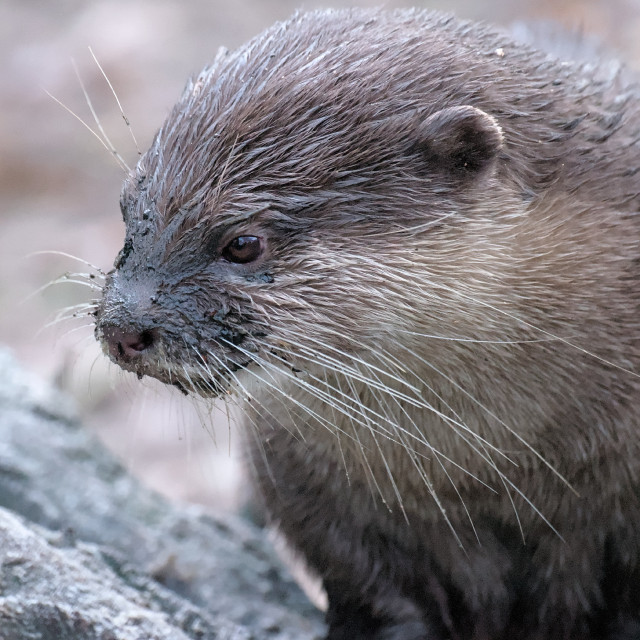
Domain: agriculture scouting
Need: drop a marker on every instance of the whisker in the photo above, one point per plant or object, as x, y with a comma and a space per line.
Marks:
339, 367
65, 315
372, 429
263, 363
364, 460
402, 276
115, 95
501, 422
108, 144
376, 428
86, 126
351, 357
99, 272
333, 413
416, 402
64, 279
239, 384
473, 340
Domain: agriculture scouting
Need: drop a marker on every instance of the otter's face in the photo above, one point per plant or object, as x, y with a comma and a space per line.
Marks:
174, 306
266, 231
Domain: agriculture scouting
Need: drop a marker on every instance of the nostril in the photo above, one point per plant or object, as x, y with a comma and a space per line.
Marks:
137, 341
127, 344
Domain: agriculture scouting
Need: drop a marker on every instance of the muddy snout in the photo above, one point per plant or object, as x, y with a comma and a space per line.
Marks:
132, 343
126, 325
127, 344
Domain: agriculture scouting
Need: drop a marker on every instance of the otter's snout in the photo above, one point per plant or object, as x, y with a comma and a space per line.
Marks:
126, 345
125, 322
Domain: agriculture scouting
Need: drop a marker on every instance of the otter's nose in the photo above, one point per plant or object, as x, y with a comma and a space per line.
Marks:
127, 344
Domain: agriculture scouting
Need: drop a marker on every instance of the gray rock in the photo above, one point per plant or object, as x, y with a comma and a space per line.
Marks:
87, 552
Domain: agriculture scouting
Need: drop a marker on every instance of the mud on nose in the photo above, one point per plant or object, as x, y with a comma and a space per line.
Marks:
127, 344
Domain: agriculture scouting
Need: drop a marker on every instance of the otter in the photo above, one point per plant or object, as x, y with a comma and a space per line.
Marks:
409, 249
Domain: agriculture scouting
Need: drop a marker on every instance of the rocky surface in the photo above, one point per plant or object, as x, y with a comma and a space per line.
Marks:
87, 552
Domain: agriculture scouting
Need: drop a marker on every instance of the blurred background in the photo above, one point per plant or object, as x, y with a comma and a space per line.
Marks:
59, 192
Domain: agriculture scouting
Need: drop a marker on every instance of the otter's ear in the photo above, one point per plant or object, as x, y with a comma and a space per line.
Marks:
464, 141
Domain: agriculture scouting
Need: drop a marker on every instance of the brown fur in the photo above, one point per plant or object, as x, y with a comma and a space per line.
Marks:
441, 338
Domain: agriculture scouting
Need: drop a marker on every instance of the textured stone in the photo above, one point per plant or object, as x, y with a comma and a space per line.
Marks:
87, 552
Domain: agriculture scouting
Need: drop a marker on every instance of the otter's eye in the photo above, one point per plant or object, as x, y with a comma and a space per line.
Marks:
243, 249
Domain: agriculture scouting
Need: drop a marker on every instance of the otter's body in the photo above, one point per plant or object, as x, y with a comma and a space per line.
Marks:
414, 247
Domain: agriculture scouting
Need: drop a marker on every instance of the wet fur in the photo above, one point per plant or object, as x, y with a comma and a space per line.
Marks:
441, 349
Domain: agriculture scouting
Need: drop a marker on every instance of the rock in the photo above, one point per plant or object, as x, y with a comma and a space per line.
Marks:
87, 552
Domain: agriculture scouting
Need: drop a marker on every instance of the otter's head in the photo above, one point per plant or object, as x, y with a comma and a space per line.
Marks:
292, 208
